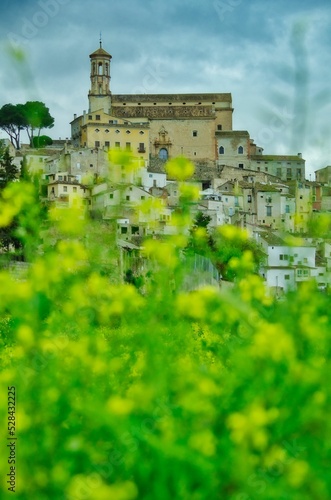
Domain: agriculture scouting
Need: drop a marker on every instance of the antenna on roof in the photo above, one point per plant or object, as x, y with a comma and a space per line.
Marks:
100, 41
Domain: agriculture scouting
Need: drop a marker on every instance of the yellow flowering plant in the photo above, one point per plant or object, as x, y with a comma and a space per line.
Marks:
204, 393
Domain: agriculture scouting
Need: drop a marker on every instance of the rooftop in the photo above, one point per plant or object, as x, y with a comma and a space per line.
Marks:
278, 158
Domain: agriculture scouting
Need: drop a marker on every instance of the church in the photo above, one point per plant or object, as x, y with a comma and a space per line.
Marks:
156, 127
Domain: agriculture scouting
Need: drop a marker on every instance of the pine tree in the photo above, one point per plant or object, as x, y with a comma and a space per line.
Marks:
8, 173
8, 170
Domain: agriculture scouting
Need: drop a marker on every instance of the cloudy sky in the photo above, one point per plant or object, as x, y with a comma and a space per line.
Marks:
273, 56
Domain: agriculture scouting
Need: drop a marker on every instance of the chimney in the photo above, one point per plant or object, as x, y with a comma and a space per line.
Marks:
300, 155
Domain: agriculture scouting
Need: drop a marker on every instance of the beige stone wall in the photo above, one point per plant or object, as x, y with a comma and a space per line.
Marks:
194, 139
189, 120
101, 130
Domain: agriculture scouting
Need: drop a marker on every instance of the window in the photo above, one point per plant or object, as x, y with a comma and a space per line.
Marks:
97, 144
141, 148
195, 133
283, 256
127, 198
128, 146
111, 196
219, 127
128, 132
221, 150
141, 132
117, 144
90, 117
269, 211
97, 117
97, 130
124, 230
107, 144
241, 165
249, 198
100, 69
279, 172
287, 209
142, 197
65, 189
135, 229
74, 189
91, 165
266, 169
240, 150
286, 277
60, 177
163, 154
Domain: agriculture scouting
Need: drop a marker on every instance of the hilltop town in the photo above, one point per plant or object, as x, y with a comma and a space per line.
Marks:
268, 195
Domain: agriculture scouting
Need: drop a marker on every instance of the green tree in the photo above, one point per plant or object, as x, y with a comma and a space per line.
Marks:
12, 121
37, 117
8, 173
8, 170
24, 174
42, 141
201, 220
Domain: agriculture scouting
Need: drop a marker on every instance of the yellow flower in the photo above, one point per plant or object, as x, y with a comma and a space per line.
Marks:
203, 441
119, 406
180, 168
297, 473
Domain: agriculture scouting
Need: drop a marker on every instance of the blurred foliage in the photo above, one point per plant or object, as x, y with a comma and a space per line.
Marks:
208, 394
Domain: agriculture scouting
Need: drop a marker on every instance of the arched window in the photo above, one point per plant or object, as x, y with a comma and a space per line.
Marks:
240, 150
107, 69
100, 72
93, 68
221, 150
163, 154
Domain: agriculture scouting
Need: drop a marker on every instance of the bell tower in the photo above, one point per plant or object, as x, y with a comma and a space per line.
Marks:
99, 95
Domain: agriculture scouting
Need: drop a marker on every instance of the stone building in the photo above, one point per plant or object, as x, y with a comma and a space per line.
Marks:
161, 126
156, 127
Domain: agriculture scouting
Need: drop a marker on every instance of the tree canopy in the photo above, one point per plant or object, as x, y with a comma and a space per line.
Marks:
31, 116
37, 117
12, 121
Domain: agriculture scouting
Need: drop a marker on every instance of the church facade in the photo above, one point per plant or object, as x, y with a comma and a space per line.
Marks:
161, 126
